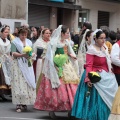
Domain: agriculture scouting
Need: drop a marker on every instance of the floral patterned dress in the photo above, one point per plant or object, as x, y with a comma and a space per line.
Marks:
22, 93
61, 98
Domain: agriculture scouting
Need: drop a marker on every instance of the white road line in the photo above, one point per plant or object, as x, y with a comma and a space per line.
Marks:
15, 118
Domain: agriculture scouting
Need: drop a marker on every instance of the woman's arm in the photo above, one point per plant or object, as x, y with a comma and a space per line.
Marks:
15, 53
115, 54
89, 65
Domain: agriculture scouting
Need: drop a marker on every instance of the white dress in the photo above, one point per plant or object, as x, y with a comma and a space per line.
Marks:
22, 93
40, 43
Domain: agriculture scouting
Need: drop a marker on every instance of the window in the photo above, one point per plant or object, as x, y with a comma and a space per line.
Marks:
83, 17
17, 24
103, 18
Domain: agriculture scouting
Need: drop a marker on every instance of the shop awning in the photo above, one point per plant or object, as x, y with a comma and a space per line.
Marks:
55, 4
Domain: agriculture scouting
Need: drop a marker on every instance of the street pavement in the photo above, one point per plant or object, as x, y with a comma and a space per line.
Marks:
7, 112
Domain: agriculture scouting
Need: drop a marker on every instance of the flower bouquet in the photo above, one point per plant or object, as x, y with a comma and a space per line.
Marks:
28, 50
60, 60
94, 77
75, 48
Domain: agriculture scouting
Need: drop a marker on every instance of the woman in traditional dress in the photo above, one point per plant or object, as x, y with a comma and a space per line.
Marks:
115, 57
56, 92
40, 48
86, 41
35, 35
5, 63
23, 81
94, 101
10, 37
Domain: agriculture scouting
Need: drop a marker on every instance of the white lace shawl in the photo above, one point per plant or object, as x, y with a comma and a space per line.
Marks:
82, 54
40, 43
49, 69
5, 59
27, 72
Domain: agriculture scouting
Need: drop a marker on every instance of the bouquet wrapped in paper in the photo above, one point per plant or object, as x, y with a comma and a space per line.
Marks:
28, 50
60, 60
94, 77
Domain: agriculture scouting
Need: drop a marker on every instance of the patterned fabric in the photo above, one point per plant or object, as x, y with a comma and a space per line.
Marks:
4, 89
89, 107
115, 112
22, 93
69, 74
58, 99
5, 66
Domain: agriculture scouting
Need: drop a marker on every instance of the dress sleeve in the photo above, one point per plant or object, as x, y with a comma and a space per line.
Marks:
89, 65
13, 48
115, 55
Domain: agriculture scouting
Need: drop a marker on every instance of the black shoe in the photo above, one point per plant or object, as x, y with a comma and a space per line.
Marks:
52, 115
3, 97
69, 115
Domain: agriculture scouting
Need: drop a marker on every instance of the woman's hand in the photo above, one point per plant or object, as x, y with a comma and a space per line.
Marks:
25, 56
87, 80
89, 84
33, 55
72, 56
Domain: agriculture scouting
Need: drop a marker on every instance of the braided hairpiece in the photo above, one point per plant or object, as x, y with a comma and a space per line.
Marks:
3, 27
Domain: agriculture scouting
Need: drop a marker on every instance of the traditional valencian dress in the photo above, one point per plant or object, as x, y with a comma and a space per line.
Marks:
82, 54
23, 81
52, 95
115, 57
40, 48
5, 67
95, 103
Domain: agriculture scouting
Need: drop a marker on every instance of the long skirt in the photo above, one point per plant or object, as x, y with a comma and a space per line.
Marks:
115, 112
58, 99
4, 89
88, 104
22, 93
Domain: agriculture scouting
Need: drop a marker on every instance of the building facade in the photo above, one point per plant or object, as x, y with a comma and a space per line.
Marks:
100, 13
51, 13
13, 12
69, 12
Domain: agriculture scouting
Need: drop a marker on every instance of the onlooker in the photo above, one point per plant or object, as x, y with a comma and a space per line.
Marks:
113, 37
15, 34
107, 42
35, 34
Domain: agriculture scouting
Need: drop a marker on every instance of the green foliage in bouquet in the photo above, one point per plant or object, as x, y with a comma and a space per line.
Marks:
28, 50
60, 60
75, 48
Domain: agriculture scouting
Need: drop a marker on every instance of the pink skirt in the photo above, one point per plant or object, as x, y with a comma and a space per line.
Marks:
59, 99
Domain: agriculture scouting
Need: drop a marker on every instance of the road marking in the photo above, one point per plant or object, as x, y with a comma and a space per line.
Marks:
15, 118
